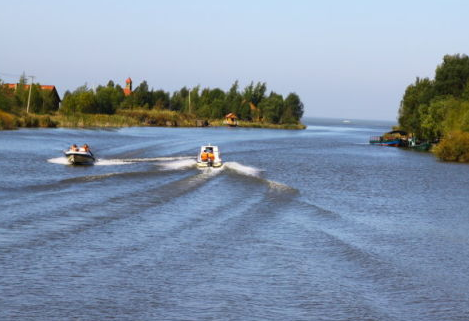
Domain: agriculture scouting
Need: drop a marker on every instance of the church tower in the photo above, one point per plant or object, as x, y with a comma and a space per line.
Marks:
128, 87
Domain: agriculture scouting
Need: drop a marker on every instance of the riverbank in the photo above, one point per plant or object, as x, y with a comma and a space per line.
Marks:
452, 147
124, 118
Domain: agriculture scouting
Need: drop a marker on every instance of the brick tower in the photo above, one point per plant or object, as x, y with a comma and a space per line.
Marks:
128, 87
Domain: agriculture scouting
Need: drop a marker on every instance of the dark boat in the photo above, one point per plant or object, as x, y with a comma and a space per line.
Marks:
80, 157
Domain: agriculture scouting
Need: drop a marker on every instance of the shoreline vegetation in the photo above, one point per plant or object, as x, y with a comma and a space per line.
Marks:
436, 111
114, 106
138, 118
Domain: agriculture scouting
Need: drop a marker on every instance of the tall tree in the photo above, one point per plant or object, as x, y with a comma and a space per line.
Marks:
293, 110
143, 96
419, 93
452, 75
161, 99
272, 107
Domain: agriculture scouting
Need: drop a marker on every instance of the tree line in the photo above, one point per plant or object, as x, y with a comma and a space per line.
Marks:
435, 108
251, 103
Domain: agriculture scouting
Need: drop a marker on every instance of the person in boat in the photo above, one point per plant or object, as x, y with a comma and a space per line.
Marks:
85, 148
74, 148
211, 156
204, 156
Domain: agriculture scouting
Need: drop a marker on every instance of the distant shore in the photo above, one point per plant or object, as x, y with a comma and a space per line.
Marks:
125, 118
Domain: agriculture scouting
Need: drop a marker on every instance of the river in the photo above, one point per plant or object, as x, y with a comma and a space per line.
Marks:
298, 225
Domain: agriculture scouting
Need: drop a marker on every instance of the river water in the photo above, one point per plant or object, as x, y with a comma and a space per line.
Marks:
297, 225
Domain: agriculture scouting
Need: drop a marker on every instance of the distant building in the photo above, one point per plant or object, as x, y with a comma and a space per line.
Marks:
53, 91
128, 87
231, 120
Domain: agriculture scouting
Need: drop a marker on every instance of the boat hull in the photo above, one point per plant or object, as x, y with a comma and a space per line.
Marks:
393, 143
80, 158
207, 164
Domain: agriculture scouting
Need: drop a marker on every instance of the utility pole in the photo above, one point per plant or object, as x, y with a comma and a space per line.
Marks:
29, 96
190, 109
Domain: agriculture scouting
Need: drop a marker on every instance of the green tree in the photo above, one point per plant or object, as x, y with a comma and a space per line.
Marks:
419, 93
452, 75
179, 100
108, 99
162, 99
431, 120
233, 99
293, 109
6, 98
272, 108
143, 97
82, 100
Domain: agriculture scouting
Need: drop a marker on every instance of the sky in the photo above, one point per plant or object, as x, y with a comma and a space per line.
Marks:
345, 59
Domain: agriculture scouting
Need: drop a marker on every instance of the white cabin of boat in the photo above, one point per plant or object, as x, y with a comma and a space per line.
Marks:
217, 162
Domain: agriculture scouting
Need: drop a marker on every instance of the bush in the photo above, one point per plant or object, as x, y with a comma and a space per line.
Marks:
47, 122
454, 147
7, 121
31, 121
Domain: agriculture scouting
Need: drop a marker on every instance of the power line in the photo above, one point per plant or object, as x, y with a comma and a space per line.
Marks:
9, 75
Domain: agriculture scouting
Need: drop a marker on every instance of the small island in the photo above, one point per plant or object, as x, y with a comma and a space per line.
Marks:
36, 105
436, 111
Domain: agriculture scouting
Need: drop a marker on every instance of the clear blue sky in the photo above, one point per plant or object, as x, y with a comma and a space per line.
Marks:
346, 59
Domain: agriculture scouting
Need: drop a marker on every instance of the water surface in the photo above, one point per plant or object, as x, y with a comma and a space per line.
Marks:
297, 225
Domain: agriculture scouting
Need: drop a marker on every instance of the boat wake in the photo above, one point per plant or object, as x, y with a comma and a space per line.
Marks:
187, 162
178, 164
158, 159
242, 169
280, 187
113, 162
256, 173
59, 160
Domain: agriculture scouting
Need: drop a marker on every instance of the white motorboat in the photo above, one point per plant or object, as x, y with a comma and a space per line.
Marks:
80, 156
209, 156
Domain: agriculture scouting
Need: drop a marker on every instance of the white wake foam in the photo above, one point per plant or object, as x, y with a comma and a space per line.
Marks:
111, 162
243, 169
178, 164
59, 160
159, 159
279, 186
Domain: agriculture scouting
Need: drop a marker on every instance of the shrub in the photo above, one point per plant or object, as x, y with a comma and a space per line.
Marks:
7, 121
30, 121
454, 147
47, 122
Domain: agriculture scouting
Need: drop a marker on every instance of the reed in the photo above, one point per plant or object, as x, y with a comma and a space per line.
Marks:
157, 117
254, 124
123, 118
94, 120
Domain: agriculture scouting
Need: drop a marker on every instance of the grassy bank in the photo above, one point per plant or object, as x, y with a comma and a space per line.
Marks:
11, 121
254, 124
123, 118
